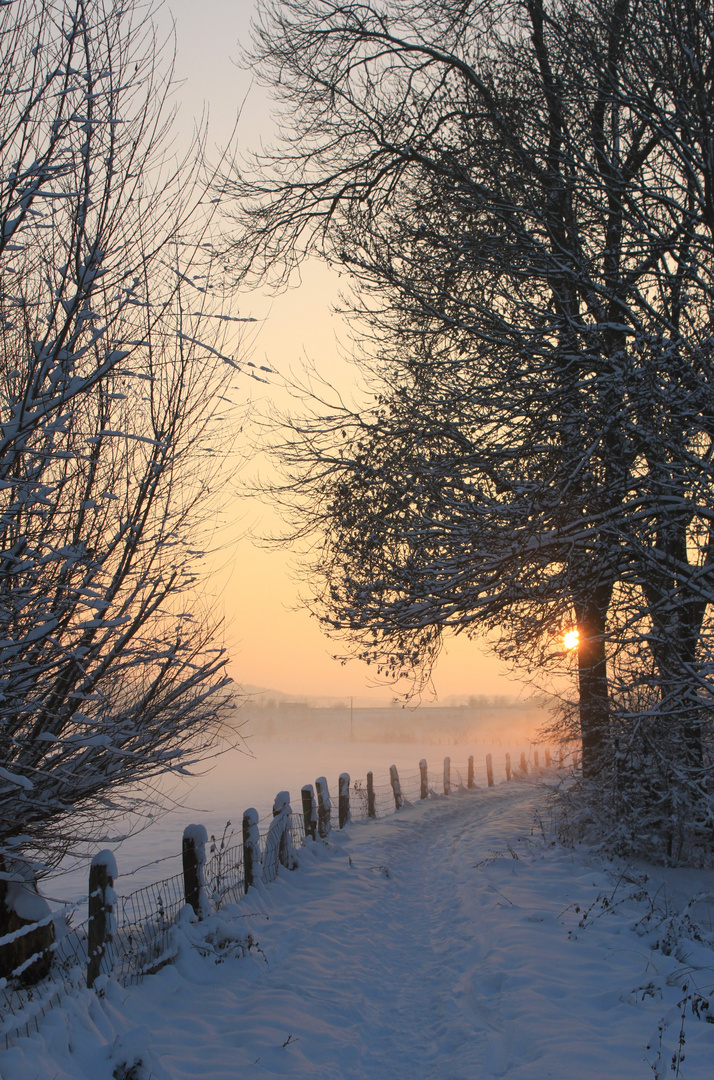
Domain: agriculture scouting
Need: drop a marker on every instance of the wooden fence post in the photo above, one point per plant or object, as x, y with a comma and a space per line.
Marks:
536, 759
252, 870
396, 787
195, 839
30, 950
423, 779
278, 843
371, 802
283, 809
547, 759
470, 780
489, 770
344, 799
324, 808
560, 757
309, 810
447, 776
508, 766
524, 763
102, 899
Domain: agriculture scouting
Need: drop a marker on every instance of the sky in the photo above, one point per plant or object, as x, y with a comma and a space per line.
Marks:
272, 639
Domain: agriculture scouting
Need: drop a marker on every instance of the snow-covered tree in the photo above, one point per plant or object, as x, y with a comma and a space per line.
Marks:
111, 364
520, 194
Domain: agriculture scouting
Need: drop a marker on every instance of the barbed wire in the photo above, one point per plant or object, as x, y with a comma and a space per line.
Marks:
146, 865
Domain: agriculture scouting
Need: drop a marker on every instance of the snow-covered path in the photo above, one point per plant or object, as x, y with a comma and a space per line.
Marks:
451, 941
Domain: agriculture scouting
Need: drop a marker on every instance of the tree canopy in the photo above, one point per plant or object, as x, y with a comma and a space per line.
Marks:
520, 193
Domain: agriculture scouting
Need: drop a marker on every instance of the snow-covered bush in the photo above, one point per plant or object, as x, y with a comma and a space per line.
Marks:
641, 804
109, 377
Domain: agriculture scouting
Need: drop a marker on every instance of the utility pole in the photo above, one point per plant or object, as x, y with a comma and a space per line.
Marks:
352, 730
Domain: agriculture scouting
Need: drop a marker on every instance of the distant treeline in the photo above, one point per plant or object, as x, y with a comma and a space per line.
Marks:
483, 719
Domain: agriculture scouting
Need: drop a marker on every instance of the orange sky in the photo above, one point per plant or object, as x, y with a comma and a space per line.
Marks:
270, 642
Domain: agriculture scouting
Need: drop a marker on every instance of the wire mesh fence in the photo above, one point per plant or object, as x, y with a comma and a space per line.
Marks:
142, 941
44, 961
61, 963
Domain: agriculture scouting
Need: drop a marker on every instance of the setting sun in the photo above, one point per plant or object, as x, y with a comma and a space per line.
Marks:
570, 640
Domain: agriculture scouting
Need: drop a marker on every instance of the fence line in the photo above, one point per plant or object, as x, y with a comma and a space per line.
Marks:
139, 934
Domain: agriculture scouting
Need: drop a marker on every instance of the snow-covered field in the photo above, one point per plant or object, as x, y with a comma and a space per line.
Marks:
252, 776
453, 940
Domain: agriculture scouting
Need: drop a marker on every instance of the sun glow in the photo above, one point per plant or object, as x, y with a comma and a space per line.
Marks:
571, 639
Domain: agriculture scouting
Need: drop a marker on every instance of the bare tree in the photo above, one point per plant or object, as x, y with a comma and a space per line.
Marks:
519, 193
114, 354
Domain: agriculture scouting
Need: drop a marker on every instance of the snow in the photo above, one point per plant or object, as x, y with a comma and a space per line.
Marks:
281, 801
454, 940
14, 778
251, 842
198, 835
22, 896
106, 859
278, 845
324, 807
321, 785
239, 779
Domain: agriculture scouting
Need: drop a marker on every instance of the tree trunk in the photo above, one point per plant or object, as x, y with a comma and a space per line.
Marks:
592, 676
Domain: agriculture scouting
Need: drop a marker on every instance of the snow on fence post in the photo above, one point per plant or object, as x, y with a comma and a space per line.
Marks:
309, 810
278, 843
102, 921
396, 787
547, 759
489, 770
195, 839
470, 780
536, 759
251, 849
324, 808
447, 776
343, 801
423, 779
371, 802
283, 810
508, 766
524, 763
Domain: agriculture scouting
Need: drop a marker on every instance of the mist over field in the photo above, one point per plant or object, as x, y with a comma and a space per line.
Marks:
499, 720
274, 742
